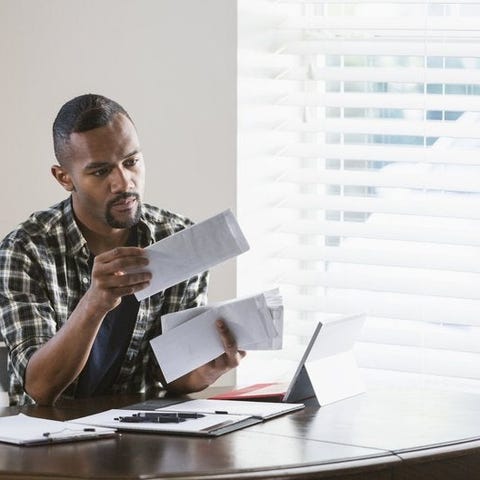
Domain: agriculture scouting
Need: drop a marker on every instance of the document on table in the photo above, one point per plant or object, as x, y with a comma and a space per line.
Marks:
195, 417
190, 338
263, 410
209, 424
192, 251
24, 430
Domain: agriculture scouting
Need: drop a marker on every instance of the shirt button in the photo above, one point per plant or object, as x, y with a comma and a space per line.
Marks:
85, 280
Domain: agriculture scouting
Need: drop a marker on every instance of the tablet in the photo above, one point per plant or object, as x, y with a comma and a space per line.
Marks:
327, 369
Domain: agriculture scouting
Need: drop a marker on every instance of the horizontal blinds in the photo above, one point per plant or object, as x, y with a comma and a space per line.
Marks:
359, 173
385, 127
425, 205
433, 180
463, 234
407, 101
425, 258
380, 153
379, 74
376, 2
387, 48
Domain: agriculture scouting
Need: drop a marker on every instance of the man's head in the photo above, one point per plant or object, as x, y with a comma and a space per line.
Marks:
100, 162
82, 114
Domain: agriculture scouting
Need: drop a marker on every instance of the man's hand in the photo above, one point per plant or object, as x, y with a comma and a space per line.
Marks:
207, 374
56, 365
110, 280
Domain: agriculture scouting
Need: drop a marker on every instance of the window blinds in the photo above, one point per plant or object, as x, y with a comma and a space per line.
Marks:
359, 176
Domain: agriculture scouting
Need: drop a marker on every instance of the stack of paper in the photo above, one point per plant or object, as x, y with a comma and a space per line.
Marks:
190, 338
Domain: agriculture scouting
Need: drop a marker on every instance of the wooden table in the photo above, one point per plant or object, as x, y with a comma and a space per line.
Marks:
382, 434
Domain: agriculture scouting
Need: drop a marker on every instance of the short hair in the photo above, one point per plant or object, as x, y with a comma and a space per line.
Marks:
81, 114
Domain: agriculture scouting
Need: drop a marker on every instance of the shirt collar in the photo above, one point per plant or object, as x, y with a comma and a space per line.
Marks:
146, 229
75, 238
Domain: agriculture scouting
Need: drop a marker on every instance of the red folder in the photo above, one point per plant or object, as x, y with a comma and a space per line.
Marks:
272, 392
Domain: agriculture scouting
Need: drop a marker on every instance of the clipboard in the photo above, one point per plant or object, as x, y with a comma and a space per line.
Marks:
212, 417
24, 430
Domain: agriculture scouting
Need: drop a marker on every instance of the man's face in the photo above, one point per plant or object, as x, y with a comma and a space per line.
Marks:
106, 175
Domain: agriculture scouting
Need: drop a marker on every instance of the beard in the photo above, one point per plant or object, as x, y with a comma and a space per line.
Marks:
126, 223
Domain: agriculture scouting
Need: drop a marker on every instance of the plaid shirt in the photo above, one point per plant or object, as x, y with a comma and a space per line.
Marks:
44, 273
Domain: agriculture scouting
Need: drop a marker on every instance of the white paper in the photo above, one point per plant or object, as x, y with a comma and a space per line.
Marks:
23, 430
262, 410
271, 314
194, 425
216, 414
192, 251
194, 340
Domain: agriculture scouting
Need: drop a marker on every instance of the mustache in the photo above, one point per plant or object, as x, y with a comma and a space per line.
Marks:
123, 196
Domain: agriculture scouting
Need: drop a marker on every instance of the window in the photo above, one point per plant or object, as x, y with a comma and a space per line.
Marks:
359, 178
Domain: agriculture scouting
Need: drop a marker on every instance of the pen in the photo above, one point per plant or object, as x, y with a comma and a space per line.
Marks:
161, 417
157, 419
170, 414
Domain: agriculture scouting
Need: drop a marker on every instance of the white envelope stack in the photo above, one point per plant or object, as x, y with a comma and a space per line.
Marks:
190, 338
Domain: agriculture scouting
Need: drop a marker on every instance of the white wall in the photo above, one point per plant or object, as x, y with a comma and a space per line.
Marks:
170, 63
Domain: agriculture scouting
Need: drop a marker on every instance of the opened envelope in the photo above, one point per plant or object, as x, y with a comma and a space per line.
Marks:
192, 251
190, 338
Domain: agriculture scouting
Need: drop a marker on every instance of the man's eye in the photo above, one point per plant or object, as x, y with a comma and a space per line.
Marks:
131, 162
100, 173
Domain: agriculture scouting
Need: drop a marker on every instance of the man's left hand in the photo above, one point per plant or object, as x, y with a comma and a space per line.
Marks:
207, 374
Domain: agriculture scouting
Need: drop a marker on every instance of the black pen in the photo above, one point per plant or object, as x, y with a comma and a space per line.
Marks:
151, 419
170, 414
160, 417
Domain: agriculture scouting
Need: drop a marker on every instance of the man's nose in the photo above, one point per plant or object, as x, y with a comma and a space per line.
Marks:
121, 180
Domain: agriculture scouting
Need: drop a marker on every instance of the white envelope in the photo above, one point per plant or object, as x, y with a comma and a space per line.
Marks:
190, 338
236, 310
192, 251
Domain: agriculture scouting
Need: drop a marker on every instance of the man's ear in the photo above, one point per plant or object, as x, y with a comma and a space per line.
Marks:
62, 177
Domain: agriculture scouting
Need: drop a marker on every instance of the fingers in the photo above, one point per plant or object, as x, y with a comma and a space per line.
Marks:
120, 260
232, 355
207, 374
117, 273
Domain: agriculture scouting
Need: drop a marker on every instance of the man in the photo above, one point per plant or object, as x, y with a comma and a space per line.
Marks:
67, 311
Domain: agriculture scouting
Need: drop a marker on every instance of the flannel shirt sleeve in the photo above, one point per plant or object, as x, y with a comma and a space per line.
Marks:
27, 318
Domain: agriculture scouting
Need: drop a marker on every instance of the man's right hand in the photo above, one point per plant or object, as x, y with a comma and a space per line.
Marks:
58, 362
111, 279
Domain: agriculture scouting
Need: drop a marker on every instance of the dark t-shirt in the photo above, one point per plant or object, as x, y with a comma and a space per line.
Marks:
108, 349
110, 345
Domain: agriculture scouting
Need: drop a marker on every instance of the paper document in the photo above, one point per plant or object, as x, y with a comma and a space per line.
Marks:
263, 410
237, 310
24, 430
195, 417
192, 251
205, 425
190, 338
